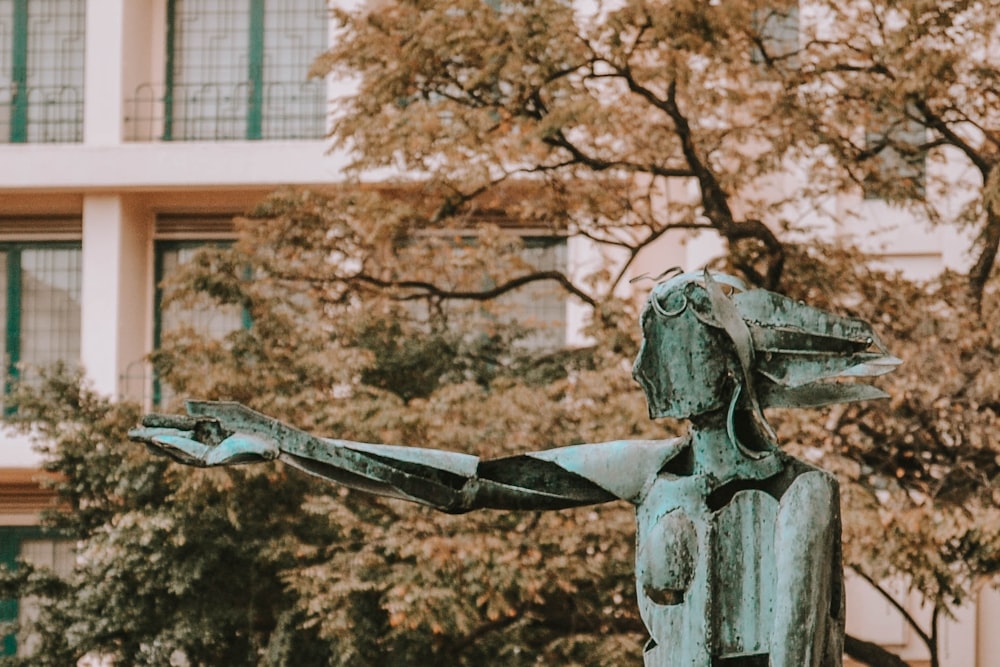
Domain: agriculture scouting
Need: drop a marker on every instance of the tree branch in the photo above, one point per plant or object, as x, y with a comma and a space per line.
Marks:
559, 140
429, 289
935, 122
912, 622
989, 243
871, 654
714, 200
933, 646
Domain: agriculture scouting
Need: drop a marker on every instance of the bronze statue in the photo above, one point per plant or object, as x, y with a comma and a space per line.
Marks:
738, 546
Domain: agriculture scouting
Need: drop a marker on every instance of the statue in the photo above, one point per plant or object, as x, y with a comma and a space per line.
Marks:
738, 544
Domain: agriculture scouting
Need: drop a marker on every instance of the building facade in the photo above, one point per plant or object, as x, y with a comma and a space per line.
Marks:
132, 131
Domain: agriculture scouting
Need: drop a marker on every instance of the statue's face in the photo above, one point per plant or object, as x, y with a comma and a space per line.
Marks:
682, 364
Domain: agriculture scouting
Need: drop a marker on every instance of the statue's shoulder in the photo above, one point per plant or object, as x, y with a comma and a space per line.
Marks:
621, 467
801, 482
797, 468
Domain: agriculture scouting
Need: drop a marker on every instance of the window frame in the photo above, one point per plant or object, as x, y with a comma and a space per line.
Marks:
161, 246
19, 104
11, 539
255, 80
13, 314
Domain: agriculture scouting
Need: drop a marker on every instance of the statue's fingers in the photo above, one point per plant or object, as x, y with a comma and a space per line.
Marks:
147, 433
242, 448
180, 448
205, 429
232, 417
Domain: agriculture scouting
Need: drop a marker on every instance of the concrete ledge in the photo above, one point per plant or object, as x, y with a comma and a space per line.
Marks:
55, 167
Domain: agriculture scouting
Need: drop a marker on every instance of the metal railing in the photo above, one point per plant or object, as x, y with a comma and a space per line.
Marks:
226, 112
41, 114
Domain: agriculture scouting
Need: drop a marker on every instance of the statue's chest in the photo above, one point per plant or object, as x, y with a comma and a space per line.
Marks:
705, 571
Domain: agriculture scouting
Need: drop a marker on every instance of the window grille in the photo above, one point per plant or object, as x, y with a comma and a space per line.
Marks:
237, 69
40, 302
778, 31
900, 164
206, 317
41, 70
33, 545
540, 306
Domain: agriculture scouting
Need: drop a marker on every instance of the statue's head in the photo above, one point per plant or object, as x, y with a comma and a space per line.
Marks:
686, 366
709, 343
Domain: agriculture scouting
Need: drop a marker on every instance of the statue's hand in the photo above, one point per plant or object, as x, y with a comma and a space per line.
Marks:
201, 441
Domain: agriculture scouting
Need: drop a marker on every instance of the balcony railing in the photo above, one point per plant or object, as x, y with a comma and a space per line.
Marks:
41, 114
226, 112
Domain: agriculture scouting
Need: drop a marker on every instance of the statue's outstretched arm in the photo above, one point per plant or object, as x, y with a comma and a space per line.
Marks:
219, 433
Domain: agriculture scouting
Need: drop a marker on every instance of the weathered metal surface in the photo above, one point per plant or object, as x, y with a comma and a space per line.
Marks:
738, 545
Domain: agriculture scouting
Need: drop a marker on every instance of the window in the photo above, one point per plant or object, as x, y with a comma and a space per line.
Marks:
41, 70
208, 319
777, 28
899, 162
31, 545
40, 303
540, 306
238, 69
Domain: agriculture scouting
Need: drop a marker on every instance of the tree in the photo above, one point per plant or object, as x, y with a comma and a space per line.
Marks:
170, 566
900, 99
600, 119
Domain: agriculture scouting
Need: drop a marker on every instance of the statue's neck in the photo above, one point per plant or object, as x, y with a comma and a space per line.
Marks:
716, 455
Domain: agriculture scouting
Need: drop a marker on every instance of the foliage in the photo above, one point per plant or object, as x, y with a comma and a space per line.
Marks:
573, 121
145, 589
920, 472
901, 98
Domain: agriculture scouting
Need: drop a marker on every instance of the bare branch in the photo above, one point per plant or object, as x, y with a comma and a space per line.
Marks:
912, 622
428, 289
935, 122
559, 140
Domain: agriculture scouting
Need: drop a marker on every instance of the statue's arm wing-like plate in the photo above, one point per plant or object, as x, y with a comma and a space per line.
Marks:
455, 482
575, 475
448, 481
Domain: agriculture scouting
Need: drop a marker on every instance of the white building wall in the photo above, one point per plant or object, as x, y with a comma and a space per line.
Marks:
116, 269
102, 255
104, 62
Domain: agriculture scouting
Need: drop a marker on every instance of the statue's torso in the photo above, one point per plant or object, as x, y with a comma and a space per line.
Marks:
707, 569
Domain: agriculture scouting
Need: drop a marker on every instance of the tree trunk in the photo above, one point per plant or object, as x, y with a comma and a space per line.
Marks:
989, 242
